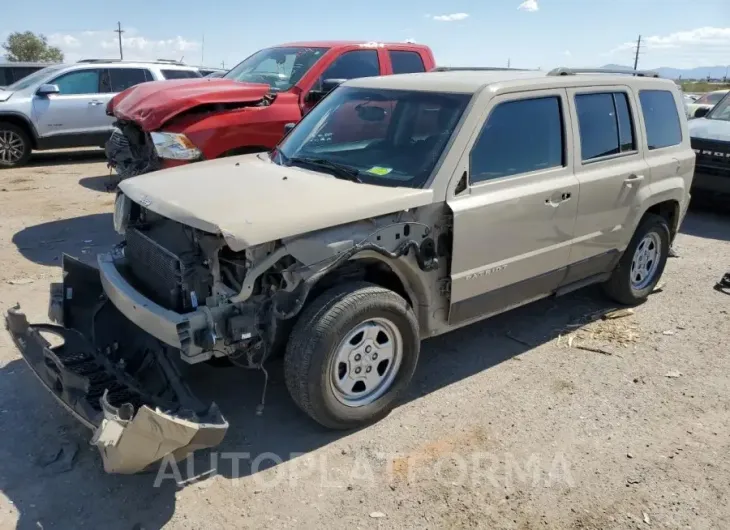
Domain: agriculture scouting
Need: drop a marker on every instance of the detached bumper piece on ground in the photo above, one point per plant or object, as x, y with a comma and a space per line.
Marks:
113, 377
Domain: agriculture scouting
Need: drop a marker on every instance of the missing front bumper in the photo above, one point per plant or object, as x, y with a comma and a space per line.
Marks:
113, 377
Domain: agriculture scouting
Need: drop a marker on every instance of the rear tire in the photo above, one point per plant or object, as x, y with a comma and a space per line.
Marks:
351, 354
642, 264
15, 146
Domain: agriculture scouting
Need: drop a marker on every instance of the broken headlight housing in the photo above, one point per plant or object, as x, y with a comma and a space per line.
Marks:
174, 146
122, 210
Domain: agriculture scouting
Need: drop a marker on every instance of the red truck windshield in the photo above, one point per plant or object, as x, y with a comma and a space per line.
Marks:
280, 68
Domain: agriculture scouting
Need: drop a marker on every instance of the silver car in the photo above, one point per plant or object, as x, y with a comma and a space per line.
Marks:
64, 105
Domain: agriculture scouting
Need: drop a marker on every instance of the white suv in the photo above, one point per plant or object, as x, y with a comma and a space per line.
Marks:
64, 105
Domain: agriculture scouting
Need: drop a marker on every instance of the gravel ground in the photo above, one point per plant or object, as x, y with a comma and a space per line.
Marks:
510, 423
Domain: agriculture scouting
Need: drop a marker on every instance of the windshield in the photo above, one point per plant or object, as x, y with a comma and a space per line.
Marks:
281, 68
386, 137
33, 78
721, 111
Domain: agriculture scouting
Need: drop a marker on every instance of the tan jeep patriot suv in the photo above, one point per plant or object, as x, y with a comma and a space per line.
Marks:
399, 208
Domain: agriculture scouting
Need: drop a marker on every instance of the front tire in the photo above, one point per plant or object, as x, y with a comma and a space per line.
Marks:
15, 146
642, 264
351, 354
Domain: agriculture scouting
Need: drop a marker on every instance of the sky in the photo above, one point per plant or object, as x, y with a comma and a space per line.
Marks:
528, 33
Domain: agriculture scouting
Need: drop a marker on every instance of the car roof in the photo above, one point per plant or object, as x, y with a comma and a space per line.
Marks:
26, 63
472, 81
345, 43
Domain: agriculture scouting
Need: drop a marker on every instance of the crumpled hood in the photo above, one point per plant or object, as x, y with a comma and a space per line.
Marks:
5, 95
718, 130
249, 200
153, 104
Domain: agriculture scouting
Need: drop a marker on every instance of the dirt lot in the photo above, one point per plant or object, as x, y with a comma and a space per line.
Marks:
509, 424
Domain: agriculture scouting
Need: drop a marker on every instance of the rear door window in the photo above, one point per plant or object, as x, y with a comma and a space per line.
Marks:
180, 74
5, 78
123, 78
605, 125
354, 64
404, 62
663, 128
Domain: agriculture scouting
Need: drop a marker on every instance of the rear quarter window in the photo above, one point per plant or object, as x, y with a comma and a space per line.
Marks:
180, 74
663, 128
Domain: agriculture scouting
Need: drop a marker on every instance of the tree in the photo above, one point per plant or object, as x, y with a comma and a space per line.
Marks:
27, 46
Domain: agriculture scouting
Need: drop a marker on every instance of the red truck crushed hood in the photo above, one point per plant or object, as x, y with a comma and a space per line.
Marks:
151, 105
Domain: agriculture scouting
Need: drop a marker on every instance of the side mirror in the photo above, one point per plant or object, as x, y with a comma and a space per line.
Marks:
45, 90
701, 112
326, 86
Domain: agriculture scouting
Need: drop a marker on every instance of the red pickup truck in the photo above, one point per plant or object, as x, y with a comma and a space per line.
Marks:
163, 124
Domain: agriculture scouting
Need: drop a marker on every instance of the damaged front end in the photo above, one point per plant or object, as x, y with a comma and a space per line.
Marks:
130, 152
113, 377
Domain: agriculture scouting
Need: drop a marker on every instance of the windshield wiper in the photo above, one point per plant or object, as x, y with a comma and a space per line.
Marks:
338, 170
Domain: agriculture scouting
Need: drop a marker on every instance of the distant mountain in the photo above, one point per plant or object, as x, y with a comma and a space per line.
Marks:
715, 72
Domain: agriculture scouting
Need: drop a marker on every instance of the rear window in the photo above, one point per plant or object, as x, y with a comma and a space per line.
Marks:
123, 78
604, 121
180, 74
5, 78
663, 128
406, 62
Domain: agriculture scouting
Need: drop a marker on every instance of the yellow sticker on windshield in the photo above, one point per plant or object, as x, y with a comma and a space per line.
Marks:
377, 170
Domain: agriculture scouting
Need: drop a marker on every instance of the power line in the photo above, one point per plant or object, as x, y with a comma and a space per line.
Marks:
119, 30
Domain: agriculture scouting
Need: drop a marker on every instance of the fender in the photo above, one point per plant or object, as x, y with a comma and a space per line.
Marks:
318, 249
220, 132
671, 189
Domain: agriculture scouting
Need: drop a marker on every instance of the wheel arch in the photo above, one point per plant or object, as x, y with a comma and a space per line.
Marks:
669, 210
20, 120
395, 275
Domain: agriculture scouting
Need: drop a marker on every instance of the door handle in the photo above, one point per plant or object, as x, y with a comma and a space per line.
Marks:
95, 103
555, 201
631, 179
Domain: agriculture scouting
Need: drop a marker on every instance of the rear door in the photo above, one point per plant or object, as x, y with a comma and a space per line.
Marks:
79, 108
514, 222
612, 172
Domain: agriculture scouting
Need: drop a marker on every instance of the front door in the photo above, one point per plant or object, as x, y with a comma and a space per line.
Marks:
514, 221
78, 110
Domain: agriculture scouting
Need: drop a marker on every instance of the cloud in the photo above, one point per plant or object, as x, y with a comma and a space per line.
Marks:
105, 45
706, 45
450, 18
529, 5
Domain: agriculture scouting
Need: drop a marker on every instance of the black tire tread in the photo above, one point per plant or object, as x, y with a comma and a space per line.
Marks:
309, 331
617, 287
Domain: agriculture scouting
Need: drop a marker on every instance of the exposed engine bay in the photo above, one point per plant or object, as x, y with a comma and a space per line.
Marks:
236, 303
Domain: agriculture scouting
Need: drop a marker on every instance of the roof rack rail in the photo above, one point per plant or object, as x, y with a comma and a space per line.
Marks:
98, 61
156, 61
475, 68
574, 71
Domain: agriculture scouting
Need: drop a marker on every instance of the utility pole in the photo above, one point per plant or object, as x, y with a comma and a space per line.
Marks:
223, 65
638, 51
202, 52
509, 62
119, 30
